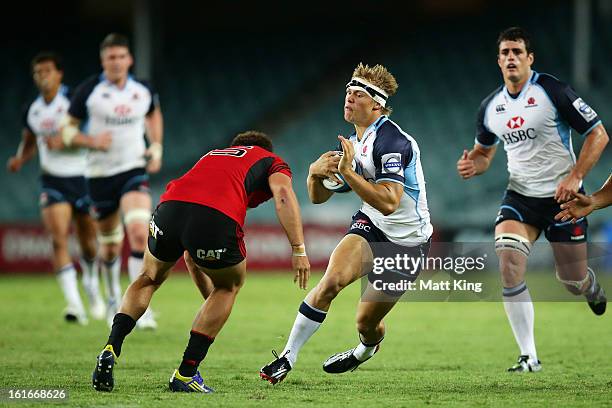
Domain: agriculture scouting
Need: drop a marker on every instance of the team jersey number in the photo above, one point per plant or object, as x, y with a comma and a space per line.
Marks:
230, 151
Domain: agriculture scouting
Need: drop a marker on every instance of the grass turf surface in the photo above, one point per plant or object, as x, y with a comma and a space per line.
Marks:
439, 354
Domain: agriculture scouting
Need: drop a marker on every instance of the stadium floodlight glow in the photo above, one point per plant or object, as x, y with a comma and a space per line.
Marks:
376, 93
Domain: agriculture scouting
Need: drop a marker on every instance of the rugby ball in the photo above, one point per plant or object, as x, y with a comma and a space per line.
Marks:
342, 186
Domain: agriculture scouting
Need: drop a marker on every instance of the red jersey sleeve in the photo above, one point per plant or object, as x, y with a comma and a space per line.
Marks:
279, 166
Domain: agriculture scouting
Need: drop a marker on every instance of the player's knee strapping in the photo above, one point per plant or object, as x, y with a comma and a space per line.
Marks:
138, 215
578, 284
111, 237
512, 242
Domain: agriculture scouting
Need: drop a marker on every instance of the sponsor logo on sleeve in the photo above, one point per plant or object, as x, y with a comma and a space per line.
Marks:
392, 163
584, 110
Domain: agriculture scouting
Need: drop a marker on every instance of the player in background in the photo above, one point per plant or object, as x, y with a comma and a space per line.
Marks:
213, 197
64, 194
394, 212
532, 114
115, 102
582, 205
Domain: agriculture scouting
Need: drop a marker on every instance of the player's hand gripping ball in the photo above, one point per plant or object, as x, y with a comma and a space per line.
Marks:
342, 186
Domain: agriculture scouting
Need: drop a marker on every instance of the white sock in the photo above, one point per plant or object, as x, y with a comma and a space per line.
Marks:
111, 273
134, 265
67, 278
363, 352
306, 324
91, 279
519, 309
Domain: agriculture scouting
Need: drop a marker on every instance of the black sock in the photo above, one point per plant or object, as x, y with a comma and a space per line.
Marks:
122, 326
194, 353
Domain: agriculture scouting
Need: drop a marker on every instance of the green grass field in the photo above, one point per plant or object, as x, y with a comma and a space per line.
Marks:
438, 354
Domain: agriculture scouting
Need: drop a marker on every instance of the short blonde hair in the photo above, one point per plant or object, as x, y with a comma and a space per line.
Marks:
379, 76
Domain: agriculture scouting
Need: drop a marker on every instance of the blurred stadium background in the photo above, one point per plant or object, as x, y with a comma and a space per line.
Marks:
225, 67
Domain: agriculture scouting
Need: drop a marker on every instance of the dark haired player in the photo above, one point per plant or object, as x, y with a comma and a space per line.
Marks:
532, 114
64, 189
203, 213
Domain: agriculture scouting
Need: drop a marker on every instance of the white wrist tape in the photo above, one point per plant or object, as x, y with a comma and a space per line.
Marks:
69, 132
298, 250
156, 150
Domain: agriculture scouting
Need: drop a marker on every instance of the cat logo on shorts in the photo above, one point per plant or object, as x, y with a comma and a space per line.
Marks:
210, 254
154, 229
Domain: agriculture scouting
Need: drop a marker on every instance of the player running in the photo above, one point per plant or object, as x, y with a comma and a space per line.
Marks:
115, 102
203, 213
394, 212
532, 114
64, 190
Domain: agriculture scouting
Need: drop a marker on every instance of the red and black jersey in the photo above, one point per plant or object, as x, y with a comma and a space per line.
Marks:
228, 180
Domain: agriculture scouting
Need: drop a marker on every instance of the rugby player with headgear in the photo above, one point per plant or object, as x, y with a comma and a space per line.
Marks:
394, 214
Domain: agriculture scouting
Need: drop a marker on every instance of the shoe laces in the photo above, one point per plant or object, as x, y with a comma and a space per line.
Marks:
276, 356
198, 378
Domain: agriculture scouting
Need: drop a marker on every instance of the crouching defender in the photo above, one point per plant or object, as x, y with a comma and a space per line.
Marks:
394, 214
203, 213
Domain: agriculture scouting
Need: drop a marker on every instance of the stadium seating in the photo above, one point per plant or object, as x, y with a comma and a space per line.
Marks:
211, 89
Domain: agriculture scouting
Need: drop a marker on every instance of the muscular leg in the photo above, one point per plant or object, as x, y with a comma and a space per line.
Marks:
578, 278
57, 218
138, 295
214, 313
136, 209
345, 266
110, 237
137, 298
86, 234
371, 327
517, 301
571, 266
202, 281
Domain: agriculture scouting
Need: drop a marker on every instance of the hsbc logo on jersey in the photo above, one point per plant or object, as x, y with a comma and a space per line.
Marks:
47, 126
515, 123
122, 117
122, 110
519, 136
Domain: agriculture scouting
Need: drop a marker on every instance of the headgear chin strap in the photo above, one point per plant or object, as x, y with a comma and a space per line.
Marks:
360, 84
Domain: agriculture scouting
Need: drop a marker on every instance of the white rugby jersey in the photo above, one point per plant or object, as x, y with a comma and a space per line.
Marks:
535, 129
387, 153
42, 119
102, 106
